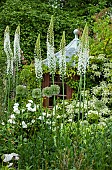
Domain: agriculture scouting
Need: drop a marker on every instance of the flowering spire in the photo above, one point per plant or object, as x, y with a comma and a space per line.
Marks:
83, 51
17, 54
62, 59
8, 51
38, 59
50, 49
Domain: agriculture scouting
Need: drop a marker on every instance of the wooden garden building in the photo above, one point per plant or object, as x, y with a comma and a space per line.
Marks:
71, 49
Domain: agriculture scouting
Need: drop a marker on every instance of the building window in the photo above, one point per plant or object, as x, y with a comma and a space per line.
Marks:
47, 81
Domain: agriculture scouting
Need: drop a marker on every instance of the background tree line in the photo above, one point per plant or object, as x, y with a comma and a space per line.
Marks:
34, 17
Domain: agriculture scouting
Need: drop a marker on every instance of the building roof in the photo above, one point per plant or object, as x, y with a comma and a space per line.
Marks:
70, 49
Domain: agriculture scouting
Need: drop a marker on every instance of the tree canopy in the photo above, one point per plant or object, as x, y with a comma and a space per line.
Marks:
34, 17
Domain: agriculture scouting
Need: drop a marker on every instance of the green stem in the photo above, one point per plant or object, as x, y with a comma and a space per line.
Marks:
84, 96
43, 133
8, 95
63, 94
53, 104
63, 104
16, 73
21, 126
54, 97
16, 77
40, 84
53, 79
87, 106
77, 95
80, 88
14, 84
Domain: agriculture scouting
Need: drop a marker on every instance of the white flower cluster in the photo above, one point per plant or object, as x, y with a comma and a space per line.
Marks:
86, 92
92, 112
107, 72
51, 58
104, 91
62, 63
10, 65
62, 59
8, 51
9, 157
17, 53
15, 107
81, 104
24, 125
38, 68
70, 108
44, 115
94, 67
101, 57
31, 106
55, 108
83, 52
83, 59
38, 59
97, 73
12, 119
97, 90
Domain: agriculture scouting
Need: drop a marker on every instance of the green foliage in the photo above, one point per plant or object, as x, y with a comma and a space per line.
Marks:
103, 37
93, 118
27, 77
6, 168
33, 18
21, 90
19, 12
89, 144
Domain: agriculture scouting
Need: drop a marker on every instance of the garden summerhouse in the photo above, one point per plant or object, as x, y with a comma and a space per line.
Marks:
71, 49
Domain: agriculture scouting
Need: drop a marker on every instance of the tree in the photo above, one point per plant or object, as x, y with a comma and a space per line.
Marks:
34, 16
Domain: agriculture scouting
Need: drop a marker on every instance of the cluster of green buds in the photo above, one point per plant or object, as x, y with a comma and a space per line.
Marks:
51, 91
36, 93
21, 90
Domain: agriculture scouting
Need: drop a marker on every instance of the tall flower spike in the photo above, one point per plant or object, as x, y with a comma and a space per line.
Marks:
50, 49
8, 51
83, 52
62, 59
38, 59
17, 53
